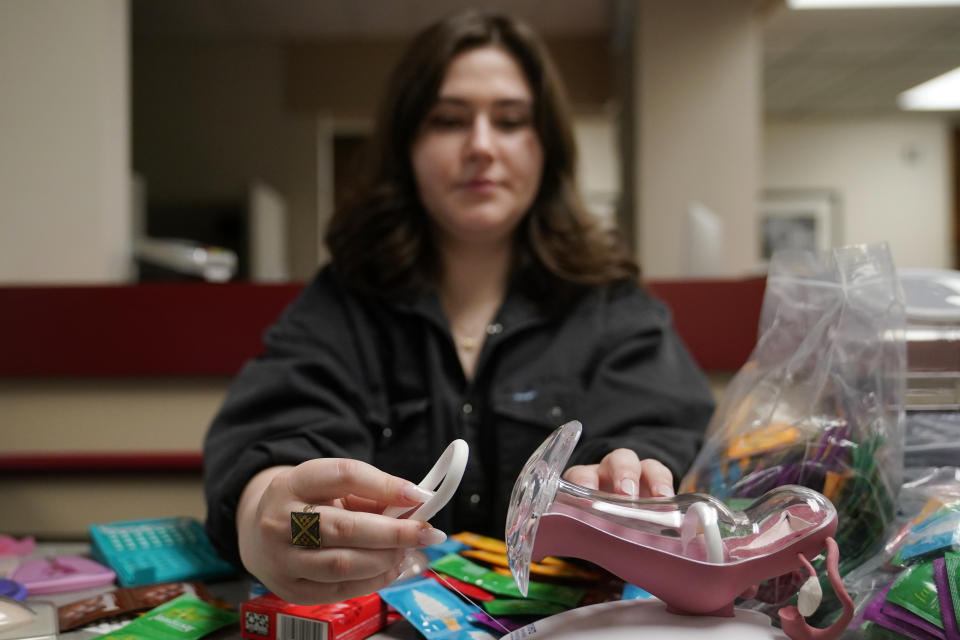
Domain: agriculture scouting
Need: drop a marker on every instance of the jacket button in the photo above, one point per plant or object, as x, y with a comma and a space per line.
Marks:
387, 432
475, 498
556, 412
467, 408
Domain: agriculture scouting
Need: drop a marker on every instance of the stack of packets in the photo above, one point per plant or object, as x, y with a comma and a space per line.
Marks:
115, 609
469, 594
185, 617
923, 602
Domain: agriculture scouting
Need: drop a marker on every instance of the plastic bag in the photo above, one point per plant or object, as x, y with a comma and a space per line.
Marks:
820, 401
928, 501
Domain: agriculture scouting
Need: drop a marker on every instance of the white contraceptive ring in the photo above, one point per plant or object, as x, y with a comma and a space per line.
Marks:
443, 479
706, 516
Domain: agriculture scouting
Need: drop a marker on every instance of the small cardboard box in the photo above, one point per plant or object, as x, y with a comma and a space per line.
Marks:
269, 618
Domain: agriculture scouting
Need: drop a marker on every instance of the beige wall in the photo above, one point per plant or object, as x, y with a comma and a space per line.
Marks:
699, 132
62, 507
119, 414
50, 416
64, 155
892, 175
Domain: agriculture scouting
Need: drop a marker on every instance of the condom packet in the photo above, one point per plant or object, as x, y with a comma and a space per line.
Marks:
523, 607
477, 541
916, 622
952, 563
935, 535
186, 617
450, 545
948, 609
874, 631
633, 592
124, 602
879, 613
916, 591
471, 592
494, 552
500, 625
462, 569
549, 567
435, 612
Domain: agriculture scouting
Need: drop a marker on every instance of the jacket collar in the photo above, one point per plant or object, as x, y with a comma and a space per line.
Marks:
518, 312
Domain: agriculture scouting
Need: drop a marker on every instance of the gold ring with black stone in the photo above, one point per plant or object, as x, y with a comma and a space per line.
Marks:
305, 528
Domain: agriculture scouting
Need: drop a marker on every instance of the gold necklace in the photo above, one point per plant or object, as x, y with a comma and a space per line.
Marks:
465, 342
469, 340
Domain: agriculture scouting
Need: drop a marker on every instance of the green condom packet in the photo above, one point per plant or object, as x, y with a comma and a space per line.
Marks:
952, 562
874, 631
462, 569
186, 617
916, 591
523, 607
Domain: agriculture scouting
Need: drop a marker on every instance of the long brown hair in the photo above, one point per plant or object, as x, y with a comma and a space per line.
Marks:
380, 238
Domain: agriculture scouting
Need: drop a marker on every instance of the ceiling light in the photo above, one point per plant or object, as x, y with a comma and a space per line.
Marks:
868, 4
938, 94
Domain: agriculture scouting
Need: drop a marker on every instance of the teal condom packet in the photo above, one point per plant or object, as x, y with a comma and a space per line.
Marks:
916, 591
186, 617
936, 534
434, 611
448, 546
462, 569
633, 592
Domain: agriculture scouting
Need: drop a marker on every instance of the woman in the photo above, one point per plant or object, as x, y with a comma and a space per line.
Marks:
470, 295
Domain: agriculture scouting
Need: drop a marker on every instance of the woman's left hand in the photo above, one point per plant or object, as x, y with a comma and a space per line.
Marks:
622, 471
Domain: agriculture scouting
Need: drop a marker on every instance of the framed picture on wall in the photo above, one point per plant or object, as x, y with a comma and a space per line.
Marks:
806, 219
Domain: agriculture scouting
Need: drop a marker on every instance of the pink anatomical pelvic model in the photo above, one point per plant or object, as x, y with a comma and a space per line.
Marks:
691, 551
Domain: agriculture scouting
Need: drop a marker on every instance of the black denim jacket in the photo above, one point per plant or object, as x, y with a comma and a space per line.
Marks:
344, 375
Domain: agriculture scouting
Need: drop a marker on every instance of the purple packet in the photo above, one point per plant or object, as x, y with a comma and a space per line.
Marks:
916, 591
497, 624
906, 616
875, 613
947, 611
861, 616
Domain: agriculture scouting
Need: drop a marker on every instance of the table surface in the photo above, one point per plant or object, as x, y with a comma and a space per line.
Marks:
233, 591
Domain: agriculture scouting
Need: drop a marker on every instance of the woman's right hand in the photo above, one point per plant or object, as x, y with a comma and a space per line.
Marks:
360, 550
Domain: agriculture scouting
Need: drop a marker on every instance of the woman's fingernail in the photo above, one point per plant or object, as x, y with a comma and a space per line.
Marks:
417, 494
428, 536
629, 487
664, 490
